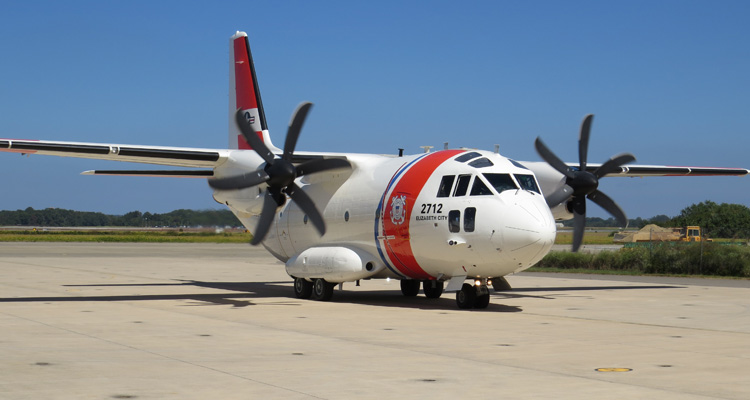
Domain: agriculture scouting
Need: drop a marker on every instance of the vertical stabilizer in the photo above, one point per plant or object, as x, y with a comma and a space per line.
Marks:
244, 93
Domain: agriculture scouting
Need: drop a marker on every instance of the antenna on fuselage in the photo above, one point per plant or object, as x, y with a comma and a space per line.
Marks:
427, 148
400, 152
497, 149
445, 146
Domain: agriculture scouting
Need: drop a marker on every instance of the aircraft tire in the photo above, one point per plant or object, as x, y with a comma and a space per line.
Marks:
409, 287
302, 288
322, 290
482, 301
432, 292
466, 297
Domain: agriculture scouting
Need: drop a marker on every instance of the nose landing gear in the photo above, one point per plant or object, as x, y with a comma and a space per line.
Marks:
473, 296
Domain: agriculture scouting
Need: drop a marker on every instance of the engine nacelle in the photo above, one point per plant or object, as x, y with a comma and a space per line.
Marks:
334, 264
561, 212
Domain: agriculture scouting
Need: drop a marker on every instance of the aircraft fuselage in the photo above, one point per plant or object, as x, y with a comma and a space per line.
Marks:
423, 217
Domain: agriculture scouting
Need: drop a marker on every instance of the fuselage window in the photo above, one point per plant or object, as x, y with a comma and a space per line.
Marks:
481, 163
470, 215
479, 188
468, 156
528, 182
445, 186
501, 182
462, 185
454, 220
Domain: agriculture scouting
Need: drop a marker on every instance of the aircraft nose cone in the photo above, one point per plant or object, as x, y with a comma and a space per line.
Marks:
529, 232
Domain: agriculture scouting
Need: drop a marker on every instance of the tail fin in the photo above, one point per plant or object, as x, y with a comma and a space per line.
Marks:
244, 93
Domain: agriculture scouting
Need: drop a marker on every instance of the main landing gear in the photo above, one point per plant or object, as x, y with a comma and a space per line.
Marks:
473, 296
432, 289
318, 289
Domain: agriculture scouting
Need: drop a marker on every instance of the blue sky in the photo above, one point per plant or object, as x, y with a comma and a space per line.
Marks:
667, 81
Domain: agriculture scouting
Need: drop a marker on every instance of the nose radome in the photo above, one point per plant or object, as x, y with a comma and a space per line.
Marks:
529, 232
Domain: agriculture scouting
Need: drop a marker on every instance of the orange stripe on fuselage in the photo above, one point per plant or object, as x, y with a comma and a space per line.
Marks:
410, 185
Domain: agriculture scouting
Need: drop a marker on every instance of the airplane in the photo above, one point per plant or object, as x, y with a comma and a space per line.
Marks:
454, 220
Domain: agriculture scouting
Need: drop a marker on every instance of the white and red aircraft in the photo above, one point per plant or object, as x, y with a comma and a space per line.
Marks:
429, 219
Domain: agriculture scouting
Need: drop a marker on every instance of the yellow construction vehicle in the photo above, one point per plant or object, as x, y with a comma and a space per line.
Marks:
692, 234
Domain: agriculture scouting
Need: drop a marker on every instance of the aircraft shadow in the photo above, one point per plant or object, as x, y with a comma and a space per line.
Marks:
519, 292
242, 290
242, 293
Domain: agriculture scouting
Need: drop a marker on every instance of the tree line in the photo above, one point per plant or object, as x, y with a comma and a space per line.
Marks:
723, 220
717, 220
62, 217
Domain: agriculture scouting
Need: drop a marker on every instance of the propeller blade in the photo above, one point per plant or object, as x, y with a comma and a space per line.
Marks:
559, 196
320, 165
295, 127
252, 137
306, 204
267, 215
551, 159
579, 221
240, 181
583, 142
610, 206
614, 164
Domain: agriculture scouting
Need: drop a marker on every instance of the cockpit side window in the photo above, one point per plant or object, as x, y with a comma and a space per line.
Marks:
446, 184
468, 156
454, 221
481, 163
528, 182
479, 188
462, 185
470, 215
501, 182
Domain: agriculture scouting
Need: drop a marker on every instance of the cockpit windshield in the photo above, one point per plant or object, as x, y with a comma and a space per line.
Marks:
501, 182
528, 182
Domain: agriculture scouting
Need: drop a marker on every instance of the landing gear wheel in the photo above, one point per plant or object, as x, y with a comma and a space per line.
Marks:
482, 301
409, 287
322, 290
302, 288
432, 289
466, 296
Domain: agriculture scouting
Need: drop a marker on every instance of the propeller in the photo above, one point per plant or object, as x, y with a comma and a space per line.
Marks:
279, 174
581, 184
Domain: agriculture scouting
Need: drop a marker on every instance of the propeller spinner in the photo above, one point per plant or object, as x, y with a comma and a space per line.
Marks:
279, 174
581, 184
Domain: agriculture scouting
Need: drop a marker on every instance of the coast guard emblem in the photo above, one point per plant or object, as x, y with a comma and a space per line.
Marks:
249, 117
398, 214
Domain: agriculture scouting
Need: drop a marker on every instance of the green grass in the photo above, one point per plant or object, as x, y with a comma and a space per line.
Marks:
692, 259
124, 237
566, 237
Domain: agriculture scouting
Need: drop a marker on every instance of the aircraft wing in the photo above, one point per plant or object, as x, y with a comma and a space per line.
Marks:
159, 155
634, 170
667, 170
189, 157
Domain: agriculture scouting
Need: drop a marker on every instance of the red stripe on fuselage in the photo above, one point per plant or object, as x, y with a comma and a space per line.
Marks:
398, 247
243, 82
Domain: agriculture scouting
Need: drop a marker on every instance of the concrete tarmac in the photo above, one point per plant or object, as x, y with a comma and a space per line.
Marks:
214, 321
